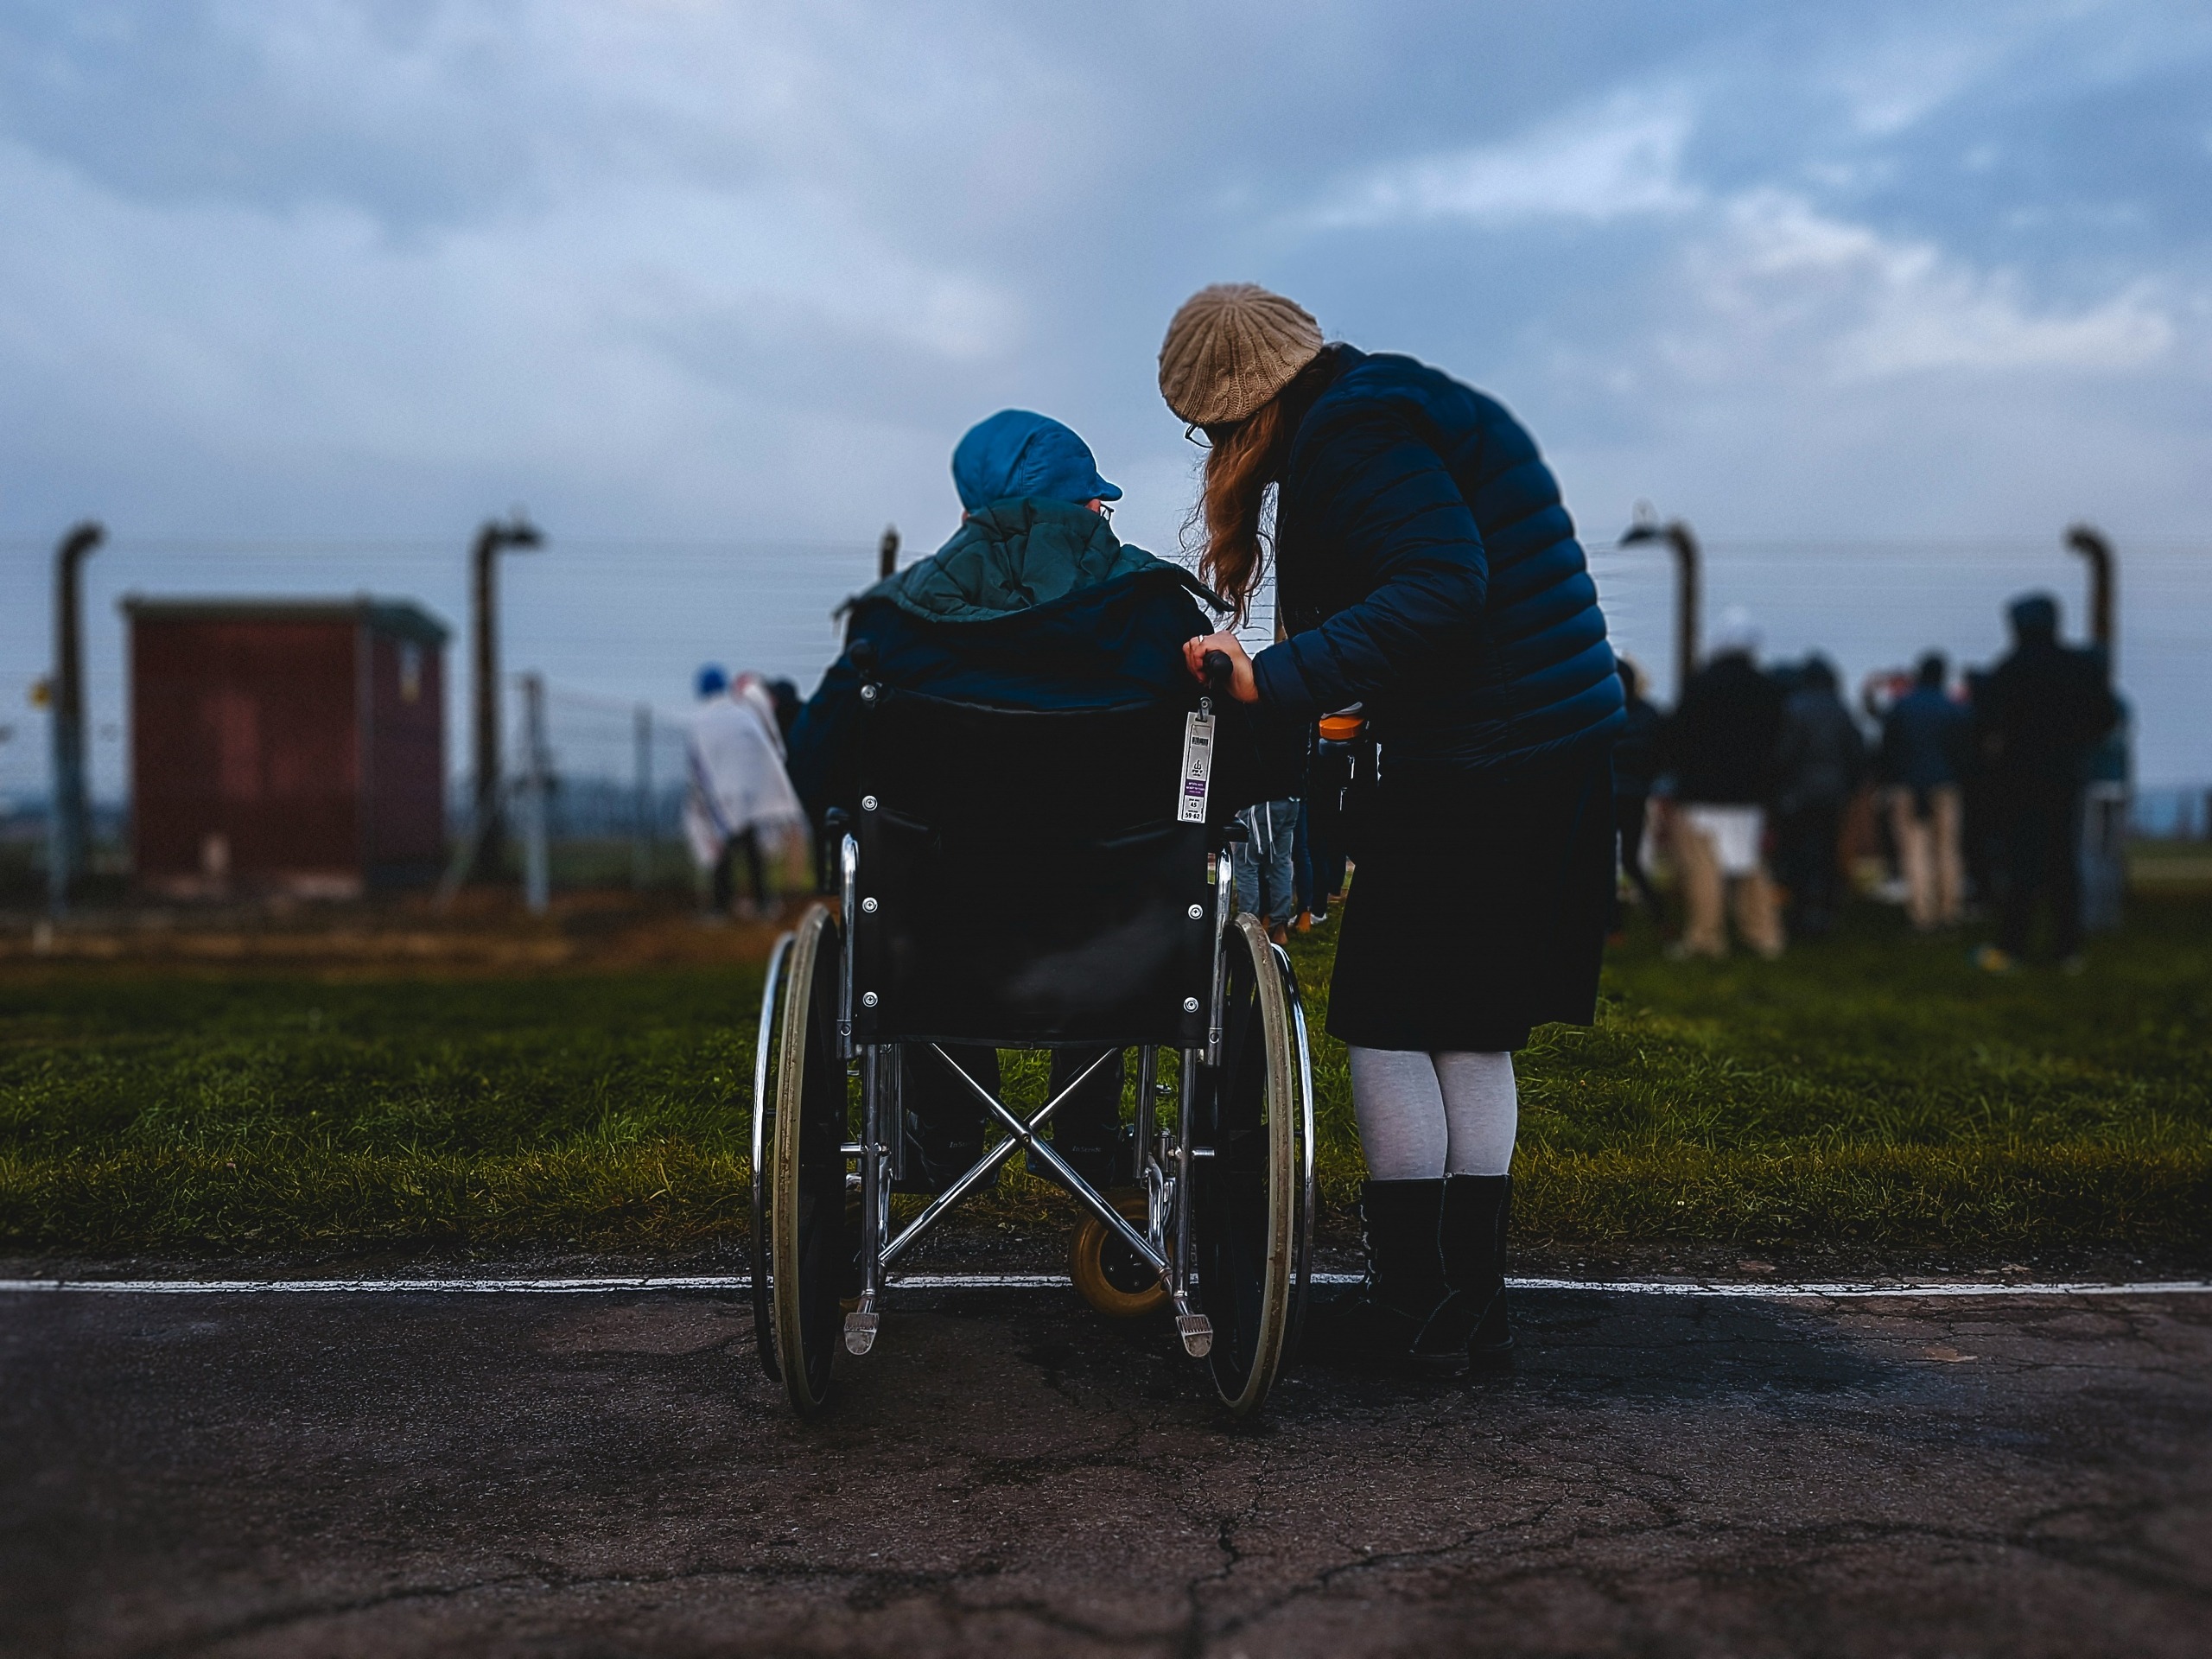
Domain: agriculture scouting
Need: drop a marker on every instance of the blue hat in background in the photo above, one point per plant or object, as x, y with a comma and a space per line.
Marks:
713, 681
1018, 453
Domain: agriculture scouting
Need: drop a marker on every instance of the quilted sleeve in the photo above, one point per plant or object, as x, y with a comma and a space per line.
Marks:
1385, 507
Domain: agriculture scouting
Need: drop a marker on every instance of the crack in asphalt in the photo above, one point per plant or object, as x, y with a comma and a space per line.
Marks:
551, 1576
1191, 1640
1553, 1556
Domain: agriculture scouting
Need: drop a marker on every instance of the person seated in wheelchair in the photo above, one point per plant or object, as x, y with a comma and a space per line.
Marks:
1032, 604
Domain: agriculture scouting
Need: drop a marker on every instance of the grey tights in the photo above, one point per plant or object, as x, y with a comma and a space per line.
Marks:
1425, 1116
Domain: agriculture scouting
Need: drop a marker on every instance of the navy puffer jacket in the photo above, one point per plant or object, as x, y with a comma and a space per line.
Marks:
1426, 567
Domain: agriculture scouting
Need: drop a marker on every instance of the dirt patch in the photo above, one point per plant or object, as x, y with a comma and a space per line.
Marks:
480, 933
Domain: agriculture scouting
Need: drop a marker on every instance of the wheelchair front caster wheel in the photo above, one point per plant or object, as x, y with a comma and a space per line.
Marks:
1112, 1277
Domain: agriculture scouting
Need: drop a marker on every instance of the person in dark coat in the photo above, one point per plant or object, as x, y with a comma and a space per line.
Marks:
1981, 819
785, 696
1636, 766
1427, 570
1822, 758
1722, 745
1032, 604
1925, 736
2041, 711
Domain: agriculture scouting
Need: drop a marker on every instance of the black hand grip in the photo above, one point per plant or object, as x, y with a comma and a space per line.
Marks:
1220, 672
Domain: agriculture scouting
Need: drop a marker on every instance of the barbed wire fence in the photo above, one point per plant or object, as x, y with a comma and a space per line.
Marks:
602, 615
593, 791
1947, 591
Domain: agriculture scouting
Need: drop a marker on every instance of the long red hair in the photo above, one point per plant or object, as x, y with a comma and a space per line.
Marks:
1229, 523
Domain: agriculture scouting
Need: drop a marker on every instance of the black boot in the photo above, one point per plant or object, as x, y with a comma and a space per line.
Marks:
1088, 1131
944, 1122
1405, 1272
1472, 1237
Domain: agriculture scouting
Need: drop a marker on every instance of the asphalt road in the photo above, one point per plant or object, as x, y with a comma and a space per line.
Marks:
485, 1475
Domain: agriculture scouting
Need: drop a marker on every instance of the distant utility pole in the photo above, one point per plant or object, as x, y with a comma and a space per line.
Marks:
68, 820
537, 783
641, 841
1677, 535
2104, 576
489, 829
2104, 803
886, 552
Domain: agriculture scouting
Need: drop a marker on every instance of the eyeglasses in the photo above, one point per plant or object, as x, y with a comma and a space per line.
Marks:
1105, 510
1196, 434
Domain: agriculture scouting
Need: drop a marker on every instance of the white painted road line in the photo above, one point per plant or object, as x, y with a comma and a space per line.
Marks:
1865, 1290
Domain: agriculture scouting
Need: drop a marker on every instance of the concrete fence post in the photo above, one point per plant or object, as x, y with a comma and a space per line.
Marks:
536, 868
641, 840
68, 819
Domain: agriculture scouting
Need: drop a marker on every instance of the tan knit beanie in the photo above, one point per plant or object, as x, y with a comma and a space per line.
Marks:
1230, 348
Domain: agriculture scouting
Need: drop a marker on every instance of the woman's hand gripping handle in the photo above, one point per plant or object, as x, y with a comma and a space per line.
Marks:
1218, 662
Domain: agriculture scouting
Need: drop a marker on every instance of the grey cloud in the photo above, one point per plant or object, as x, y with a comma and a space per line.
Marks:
714, 269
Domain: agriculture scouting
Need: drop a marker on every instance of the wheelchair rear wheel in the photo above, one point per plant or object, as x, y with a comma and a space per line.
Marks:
764, 1145
813, 1238
1252, 1218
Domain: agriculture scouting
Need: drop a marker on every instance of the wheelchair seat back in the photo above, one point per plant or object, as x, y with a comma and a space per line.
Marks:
1025, 878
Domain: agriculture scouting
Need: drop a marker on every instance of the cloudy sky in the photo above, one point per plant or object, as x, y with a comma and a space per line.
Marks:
1879, 296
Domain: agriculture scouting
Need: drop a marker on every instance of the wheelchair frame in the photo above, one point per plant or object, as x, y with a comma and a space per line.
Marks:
1169, 1161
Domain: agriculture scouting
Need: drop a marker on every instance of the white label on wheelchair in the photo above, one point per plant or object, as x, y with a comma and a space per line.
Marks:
1197, 769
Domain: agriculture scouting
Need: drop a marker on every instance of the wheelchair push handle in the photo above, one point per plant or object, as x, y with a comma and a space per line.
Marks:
1221, 673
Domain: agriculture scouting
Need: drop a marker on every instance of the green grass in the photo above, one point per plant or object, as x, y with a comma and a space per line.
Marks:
1872, 1090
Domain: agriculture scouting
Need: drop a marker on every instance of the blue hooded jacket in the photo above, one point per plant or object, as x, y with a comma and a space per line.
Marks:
1032, 604
1426, 567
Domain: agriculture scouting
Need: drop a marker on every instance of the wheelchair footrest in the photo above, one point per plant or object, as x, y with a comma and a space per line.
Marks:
860, 1332
1195, 1329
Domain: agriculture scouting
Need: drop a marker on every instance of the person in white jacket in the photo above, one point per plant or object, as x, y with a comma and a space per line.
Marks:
740, 802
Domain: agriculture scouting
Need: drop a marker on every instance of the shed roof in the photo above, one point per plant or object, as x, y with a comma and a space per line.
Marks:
401, 616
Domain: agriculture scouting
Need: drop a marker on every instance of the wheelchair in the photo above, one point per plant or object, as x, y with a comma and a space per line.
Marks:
1018, 879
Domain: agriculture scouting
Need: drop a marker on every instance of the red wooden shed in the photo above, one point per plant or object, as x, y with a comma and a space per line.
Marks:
286, 746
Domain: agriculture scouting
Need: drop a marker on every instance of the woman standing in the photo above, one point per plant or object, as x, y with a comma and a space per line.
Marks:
1427, 572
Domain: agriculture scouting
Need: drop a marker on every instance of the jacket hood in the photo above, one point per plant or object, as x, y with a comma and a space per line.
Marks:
1015, 556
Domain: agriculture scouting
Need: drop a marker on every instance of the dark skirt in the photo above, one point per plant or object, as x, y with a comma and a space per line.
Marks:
1478, 908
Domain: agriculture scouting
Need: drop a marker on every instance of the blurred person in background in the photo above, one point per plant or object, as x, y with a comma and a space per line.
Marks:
1818, 764
1878, 695
1636, 769
1267, 866
739, 795
1721, 745
785, 697
2043, 709
1427, 570
753, 692
1307, 863
1981, 818
1925, 737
